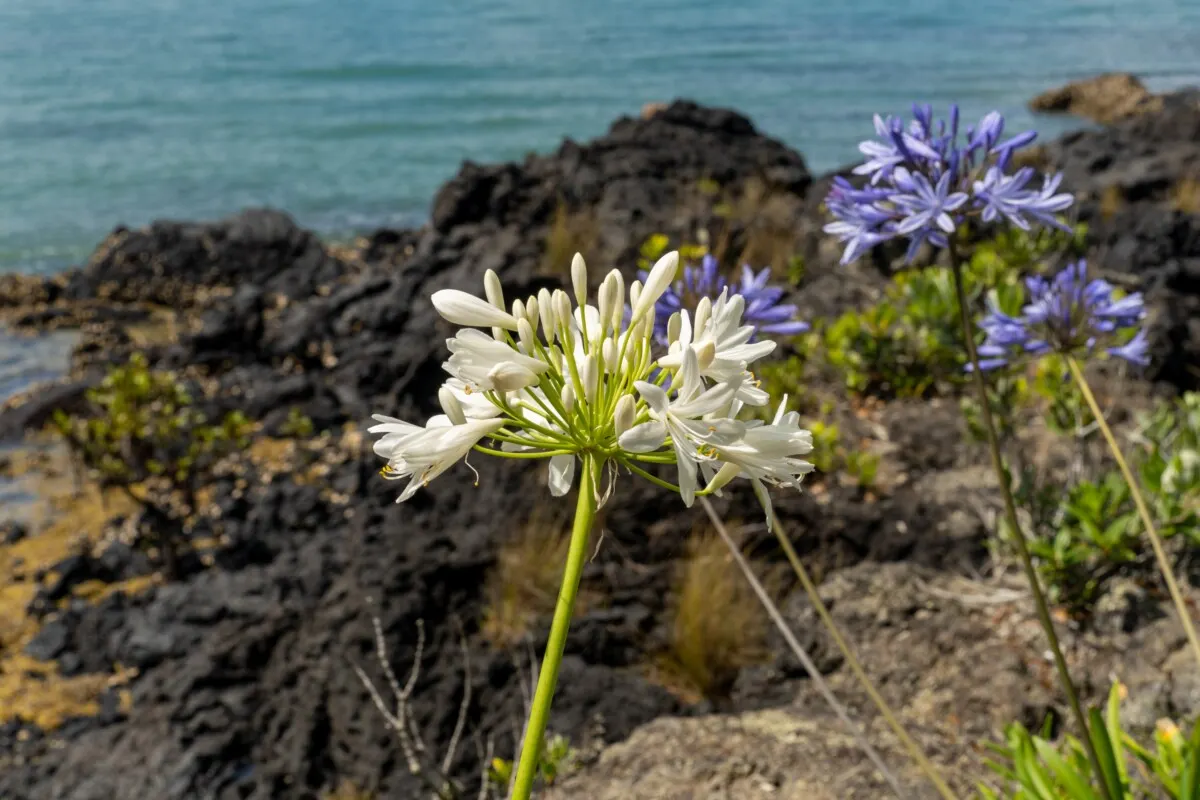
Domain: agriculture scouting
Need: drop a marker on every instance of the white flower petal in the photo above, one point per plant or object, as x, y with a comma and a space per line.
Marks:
643, 438
562, 472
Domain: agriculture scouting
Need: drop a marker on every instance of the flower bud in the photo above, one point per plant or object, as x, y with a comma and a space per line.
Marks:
674, 326
724, 475
508, 376
660, 277
579, 279
562, 309
605, 305
568, 397
608, 352
467, 309
546, 312
491, 287
589, 376
526, 334
618, 299
623, 414
635, 294
450, 405
703, 312
531, 310
705, 354
518, 309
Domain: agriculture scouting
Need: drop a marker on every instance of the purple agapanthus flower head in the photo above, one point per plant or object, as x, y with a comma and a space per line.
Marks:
1067, 314
764, 307
924, 181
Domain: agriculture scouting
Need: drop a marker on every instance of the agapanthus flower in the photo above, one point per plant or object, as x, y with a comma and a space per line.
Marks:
1067, 314
764, 309
560, 380
924, 182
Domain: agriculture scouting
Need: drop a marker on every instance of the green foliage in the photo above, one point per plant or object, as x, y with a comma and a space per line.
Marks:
1006, 394
1094, 532
825, 445
658, 244
145, 425
297, 425
1066, 410
557, 758
863, 467
1031, 767
143, 428
910, 343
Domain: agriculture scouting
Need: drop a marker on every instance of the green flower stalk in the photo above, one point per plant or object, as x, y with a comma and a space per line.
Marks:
578, 384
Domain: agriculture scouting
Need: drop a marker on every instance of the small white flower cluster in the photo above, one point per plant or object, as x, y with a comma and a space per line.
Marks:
578, 382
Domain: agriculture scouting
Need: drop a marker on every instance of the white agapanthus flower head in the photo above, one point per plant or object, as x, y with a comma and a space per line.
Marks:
560, 378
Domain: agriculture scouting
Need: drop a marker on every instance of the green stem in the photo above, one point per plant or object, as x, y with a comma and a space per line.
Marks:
1010, 515
814, 597
1143, 511
539, 712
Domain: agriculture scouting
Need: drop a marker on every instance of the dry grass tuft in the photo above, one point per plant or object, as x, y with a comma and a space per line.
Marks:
718, 626
523, 586
347, 790
570, 232
760, 228
1185, 195
1111, 200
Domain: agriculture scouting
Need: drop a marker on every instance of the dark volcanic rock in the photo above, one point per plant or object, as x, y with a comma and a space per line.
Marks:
168, 262
1128, 179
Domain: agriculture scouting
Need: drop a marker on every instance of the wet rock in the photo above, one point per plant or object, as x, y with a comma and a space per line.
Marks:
1104, 98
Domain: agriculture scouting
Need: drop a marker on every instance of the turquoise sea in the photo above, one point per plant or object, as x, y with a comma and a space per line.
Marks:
350, 114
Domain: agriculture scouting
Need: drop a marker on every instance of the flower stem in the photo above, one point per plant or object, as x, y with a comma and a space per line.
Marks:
1010, 515
1155, 540
810, 589
539, 712
801, 654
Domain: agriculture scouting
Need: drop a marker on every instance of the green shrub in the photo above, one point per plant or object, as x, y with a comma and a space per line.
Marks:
1093, 532
1031, 767
144, 435
910, 343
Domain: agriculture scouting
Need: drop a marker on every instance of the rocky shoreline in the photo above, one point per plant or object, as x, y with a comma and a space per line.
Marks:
244, 684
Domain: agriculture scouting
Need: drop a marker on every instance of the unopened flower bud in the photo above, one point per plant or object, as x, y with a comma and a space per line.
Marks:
526, 334
467, 309
608, 352
568, 397
618, 299
623, 414
508, 376
491, 287
579, 279
589, 376
674, 326
660, 277
531, 310
450, 405
703, 312
546, 312
705, 354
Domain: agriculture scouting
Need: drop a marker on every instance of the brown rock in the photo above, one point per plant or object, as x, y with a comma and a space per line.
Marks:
650, 109
1104, 98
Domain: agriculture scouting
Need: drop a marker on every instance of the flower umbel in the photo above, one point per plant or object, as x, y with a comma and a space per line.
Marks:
1067, 314
562, 380
764, 308
924, 181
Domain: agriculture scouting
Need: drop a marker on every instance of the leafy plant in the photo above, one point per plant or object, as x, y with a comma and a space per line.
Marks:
297, 425
863, 467
144, 435
557, 758
1031, 767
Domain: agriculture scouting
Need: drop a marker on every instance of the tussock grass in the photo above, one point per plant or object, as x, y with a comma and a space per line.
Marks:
717, 626
570, 232
1185, 195
524, 584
